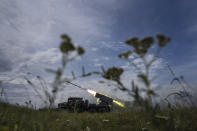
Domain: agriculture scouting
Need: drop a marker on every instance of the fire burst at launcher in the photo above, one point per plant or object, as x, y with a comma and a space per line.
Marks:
92, 92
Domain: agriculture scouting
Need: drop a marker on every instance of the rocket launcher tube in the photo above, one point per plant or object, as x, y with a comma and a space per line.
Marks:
108, 99
118, 103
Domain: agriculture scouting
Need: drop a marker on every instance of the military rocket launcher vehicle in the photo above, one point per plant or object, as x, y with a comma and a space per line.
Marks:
79, 105
104, 102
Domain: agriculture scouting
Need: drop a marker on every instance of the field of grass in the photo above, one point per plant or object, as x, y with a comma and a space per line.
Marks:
23, 119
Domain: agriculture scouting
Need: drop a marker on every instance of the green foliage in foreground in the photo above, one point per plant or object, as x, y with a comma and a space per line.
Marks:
20, 118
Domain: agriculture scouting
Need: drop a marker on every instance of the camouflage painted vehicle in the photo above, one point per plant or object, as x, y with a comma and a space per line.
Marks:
77, 104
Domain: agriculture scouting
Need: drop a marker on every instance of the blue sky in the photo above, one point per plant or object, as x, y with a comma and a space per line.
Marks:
30, 33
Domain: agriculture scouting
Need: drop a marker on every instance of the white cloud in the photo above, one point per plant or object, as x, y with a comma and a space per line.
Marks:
39, 24
105, 58
131, 57
94, 49
96, 60
97, 65
126, 66
50, 56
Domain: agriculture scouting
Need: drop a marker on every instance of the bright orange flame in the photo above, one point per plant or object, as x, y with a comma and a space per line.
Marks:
92, 92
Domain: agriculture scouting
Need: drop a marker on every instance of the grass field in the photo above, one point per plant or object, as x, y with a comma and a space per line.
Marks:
23, 119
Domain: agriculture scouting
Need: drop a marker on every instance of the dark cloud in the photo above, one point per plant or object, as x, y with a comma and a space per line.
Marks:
5, 64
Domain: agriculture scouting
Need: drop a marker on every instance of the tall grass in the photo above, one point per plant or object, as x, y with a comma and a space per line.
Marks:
21, 118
